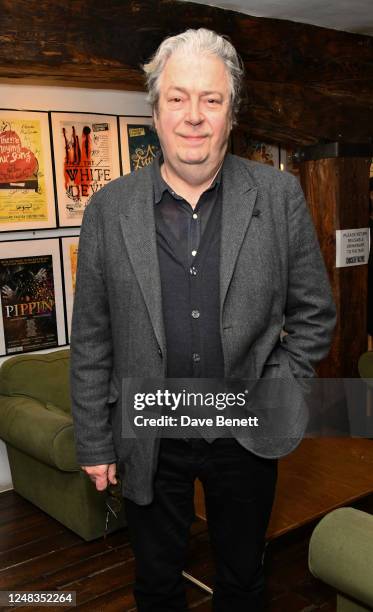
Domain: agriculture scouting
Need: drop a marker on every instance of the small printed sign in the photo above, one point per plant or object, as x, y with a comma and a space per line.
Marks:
352, 247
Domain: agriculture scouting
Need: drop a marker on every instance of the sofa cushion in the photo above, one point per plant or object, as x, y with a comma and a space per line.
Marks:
45, 377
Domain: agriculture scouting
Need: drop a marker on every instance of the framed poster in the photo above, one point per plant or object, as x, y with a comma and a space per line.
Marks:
26, 178
86, 157
138, 142
255, 150
70, 260
32, 314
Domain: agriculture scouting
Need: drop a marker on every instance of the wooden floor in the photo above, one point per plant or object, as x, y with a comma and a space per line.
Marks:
38, 553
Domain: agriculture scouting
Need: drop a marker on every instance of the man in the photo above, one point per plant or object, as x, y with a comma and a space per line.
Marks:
188, 269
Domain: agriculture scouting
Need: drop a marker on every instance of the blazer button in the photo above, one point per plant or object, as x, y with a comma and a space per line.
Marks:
160, 353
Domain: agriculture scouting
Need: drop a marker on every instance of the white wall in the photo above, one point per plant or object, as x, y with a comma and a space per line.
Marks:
30, 97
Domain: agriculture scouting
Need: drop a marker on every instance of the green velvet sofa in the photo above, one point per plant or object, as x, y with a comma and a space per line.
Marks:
36, 425
341, 554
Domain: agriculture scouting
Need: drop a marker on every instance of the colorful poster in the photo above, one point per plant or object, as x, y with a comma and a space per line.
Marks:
139, 142
255, 150
28, 303
70, 246
73, 257
86, 156
26, 178
31, 296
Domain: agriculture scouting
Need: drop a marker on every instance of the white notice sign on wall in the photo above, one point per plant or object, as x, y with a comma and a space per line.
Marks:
352, 247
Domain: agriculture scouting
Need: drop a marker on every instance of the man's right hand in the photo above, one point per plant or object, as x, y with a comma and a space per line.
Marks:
101, 475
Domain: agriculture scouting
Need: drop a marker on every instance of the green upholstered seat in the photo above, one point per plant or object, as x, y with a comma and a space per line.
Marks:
341, 554
365, 366
36, 425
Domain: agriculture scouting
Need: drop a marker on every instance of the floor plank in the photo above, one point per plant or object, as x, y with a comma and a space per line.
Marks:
102, 572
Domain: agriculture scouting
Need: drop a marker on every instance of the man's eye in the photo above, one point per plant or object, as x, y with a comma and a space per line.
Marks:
175, 99
213, 101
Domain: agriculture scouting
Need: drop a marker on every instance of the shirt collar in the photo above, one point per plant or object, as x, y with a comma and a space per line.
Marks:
160, 185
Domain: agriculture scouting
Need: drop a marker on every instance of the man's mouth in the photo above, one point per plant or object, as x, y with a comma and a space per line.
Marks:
193, 137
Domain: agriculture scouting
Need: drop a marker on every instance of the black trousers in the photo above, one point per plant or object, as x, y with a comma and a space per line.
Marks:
239, 490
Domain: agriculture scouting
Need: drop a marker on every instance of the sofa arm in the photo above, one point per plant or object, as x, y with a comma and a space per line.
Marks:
341, 553
26, 424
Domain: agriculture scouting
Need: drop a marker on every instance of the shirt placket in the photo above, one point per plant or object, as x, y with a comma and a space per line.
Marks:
194, 243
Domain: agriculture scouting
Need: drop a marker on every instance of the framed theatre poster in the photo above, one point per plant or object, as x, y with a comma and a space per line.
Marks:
138, 142
32, 315
26, 176
70, 246
255, 150
86, 156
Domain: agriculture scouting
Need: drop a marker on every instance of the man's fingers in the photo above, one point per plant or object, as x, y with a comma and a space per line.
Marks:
98, 474
101, 482
101, 475
112, 470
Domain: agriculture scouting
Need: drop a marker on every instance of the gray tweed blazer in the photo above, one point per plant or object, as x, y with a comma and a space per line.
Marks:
271, 272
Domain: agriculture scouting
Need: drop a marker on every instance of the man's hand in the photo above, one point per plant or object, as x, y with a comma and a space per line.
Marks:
101, 475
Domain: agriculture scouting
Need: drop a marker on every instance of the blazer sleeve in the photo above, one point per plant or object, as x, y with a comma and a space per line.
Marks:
310, 313
91, 349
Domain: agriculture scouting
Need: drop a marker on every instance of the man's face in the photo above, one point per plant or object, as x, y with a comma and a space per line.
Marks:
193, 119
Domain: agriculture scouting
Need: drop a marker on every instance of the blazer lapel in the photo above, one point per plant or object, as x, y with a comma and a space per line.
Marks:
138, 227
239, 196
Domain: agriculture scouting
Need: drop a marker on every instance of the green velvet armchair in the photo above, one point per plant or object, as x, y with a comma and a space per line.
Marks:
36, 425
341, 554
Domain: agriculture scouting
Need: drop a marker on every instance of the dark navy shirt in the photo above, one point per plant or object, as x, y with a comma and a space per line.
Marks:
188, 244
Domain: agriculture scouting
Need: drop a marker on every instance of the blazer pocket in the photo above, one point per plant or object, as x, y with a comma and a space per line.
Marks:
277, 365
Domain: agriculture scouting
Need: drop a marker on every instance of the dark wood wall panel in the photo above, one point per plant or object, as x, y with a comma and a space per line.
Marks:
304, 83
337, 193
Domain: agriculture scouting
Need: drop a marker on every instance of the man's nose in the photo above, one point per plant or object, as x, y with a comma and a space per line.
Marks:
194, 113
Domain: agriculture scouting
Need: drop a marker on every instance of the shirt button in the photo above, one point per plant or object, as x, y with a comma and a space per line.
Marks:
193, 271
195, 314
194, 253
196, 357
195, 216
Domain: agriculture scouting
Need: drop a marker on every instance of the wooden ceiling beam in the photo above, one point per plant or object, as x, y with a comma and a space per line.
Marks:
304, 83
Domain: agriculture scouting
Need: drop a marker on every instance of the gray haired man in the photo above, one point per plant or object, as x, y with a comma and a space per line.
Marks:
189, 269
